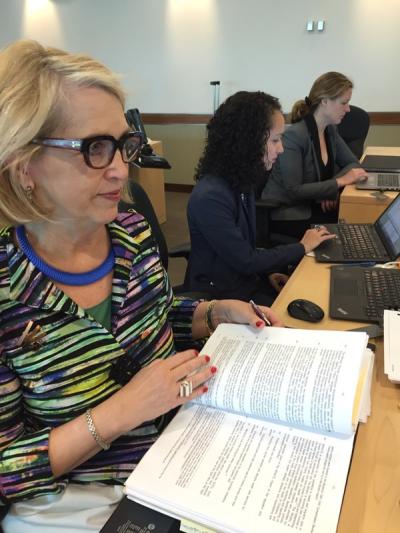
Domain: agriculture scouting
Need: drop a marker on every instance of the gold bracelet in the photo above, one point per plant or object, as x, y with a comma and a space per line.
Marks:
93, 431
208, 318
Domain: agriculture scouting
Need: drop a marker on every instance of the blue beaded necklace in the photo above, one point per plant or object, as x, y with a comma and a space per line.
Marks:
67, 278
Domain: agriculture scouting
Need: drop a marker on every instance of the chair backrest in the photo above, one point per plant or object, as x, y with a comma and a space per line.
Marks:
354, 129
265, 238
141, 203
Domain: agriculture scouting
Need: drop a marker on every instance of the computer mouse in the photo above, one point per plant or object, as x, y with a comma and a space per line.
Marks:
305, 310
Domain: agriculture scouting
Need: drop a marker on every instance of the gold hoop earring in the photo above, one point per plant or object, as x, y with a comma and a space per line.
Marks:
29, 193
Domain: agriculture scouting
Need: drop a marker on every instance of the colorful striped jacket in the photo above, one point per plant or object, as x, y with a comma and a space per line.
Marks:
46, 383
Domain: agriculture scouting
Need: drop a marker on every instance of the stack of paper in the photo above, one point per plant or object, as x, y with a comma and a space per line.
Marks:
268, 447
391, 328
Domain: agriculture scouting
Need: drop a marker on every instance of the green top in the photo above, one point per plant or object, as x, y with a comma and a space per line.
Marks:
102, 312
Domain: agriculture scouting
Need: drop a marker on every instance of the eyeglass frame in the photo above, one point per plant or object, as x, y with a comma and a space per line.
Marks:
82, 145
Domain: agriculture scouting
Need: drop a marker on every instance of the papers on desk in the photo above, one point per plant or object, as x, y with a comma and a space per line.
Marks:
391, 328
268, 447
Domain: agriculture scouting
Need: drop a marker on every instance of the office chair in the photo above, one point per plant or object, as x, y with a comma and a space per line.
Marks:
354, 129
142, 204
265, 238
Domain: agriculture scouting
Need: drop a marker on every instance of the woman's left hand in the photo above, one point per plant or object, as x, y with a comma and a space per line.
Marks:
278, 280
328, 205
237, 312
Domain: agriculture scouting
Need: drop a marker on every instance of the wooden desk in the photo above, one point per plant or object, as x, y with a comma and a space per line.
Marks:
363, 206
381, 150
366, 206
152, 181
372, 498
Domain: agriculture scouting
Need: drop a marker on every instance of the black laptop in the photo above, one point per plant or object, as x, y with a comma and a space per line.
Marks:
377, 243
362, 294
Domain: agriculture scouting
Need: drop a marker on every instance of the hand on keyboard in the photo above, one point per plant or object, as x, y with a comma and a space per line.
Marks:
314, 237
352, 176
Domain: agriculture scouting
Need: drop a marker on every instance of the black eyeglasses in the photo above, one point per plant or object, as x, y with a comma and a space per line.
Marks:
99, 151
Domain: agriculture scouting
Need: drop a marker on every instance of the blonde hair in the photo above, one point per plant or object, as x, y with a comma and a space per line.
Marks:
330, 85
34, 83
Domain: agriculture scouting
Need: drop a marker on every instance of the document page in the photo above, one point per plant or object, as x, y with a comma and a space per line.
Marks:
300, 377
391, 323
233, 473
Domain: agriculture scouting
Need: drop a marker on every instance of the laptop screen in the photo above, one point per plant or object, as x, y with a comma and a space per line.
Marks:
388, 227
381, 163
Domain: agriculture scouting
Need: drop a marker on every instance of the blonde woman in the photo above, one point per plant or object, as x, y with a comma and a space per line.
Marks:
316, 163
90, 329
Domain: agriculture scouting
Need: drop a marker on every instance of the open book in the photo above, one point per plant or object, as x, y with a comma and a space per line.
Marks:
268, 447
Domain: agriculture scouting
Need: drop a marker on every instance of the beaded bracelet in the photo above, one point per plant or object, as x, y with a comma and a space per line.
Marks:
208, 317
93, 431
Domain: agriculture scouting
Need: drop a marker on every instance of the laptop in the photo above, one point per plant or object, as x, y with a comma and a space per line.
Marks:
381, 163
381, 181
377, 243
362, 294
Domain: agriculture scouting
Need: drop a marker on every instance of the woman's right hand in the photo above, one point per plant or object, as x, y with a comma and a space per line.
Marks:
154, 390
313, 238
354, 175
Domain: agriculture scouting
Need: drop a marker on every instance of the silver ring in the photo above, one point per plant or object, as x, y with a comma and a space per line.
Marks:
317, 226
185, 388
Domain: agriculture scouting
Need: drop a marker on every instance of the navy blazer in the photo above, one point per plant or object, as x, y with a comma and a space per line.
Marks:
224, 260
295, 179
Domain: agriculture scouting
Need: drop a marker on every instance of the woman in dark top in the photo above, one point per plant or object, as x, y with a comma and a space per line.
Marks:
244, 141
316, 164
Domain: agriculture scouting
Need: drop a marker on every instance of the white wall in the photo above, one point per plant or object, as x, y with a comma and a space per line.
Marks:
169, 50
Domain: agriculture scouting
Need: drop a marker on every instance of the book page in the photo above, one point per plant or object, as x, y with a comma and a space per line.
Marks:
362, 400
299, 377
391, 323
233, 473
365, 400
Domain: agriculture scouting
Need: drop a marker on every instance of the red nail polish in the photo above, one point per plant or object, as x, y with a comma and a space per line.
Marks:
213, 369
205, 389
207, 358
259, 323
196, 352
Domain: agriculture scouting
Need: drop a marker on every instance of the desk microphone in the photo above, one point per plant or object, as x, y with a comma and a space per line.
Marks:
147, 157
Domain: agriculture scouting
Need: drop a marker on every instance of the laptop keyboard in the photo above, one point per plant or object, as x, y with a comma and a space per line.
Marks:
388, 180
383, 291
358, 241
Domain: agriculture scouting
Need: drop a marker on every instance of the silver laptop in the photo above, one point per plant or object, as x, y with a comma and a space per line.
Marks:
382, 163
382, 181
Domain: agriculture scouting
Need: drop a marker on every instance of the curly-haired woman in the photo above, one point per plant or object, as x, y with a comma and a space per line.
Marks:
244, 141
317, 163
